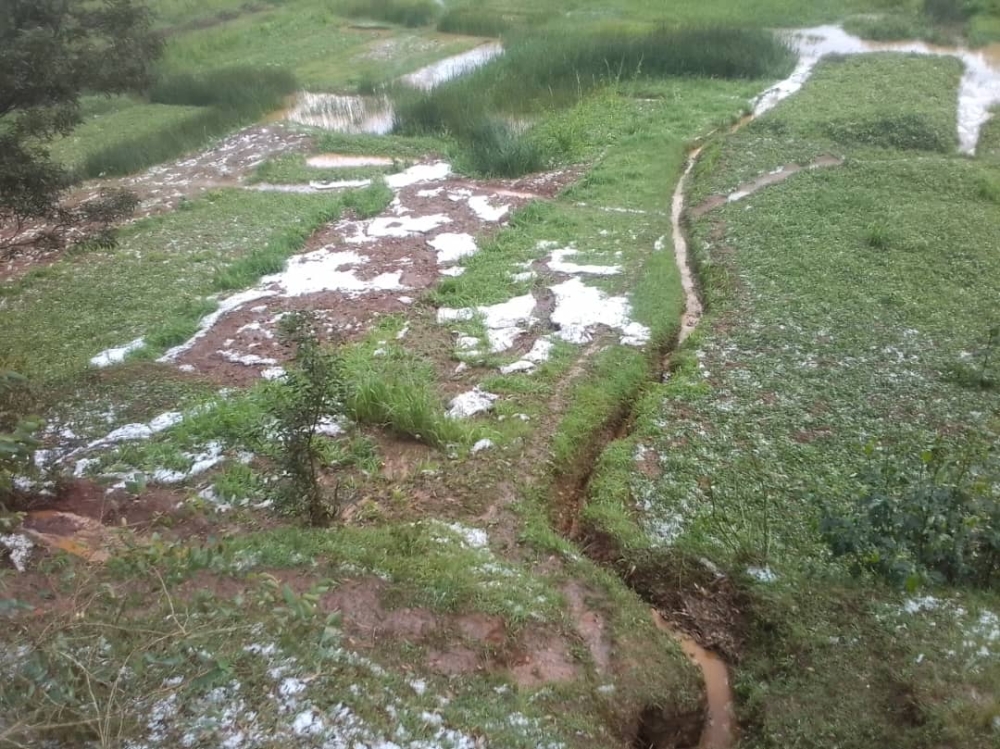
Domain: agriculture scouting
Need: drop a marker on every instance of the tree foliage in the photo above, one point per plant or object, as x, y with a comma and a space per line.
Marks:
51, 53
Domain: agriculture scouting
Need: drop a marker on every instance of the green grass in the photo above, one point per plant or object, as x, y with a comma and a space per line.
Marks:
155, 279
840, 302
310, 39
557, 68
103, 128
403, 12
911, 105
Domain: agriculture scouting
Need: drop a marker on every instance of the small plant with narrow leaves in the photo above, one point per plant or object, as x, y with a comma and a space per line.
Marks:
18, 435
933, 520
311, 391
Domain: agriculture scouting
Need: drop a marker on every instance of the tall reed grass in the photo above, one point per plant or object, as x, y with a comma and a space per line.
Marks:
231, 97
411, 13
556, 67
474, 22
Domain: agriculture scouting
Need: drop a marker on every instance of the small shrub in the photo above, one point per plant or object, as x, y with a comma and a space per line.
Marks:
311, 391
932, 520
18, 434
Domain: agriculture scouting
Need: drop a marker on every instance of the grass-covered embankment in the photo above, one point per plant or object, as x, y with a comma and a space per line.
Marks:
847, 306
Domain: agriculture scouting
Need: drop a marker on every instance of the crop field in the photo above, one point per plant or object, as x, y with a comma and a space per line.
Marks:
503, 374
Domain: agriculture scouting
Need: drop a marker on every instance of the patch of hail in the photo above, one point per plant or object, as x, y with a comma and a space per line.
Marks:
210, 456
116, 355
18, 548
451, 247
978, 634
539, 353
478, 204
504, 322
419, 173
580, 308
558, 263
470, 403
296, 705
451, 67
309, 273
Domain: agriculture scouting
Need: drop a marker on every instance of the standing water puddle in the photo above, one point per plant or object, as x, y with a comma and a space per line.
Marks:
444, 70
374, 114
978, 91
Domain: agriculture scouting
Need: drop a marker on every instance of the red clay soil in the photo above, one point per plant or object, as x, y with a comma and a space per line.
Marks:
346, 314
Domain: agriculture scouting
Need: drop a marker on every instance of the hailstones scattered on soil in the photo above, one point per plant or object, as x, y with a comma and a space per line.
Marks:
470, 403
504, 322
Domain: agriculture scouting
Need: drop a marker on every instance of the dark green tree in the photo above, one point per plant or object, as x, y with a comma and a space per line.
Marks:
51, 53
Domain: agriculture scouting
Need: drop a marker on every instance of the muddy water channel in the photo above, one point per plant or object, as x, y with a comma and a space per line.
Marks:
978, 91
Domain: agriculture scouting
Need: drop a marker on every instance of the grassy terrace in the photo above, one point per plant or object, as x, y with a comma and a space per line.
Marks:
847, 306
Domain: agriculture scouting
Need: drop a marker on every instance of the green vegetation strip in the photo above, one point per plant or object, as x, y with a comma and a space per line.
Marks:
848, 307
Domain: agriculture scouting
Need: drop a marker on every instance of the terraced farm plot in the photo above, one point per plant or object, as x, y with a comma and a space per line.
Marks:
406, 400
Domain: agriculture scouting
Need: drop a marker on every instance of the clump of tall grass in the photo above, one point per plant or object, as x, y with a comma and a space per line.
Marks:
411, 13
474, 22
557, 67
230, 97
396, 391
494, 149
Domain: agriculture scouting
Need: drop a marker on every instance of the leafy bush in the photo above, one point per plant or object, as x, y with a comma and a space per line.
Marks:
932, 520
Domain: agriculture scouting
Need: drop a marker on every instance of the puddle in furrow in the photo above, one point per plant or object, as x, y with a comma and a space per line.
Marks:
374, 114
719, 731
978, 91
343, 114
451, 67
